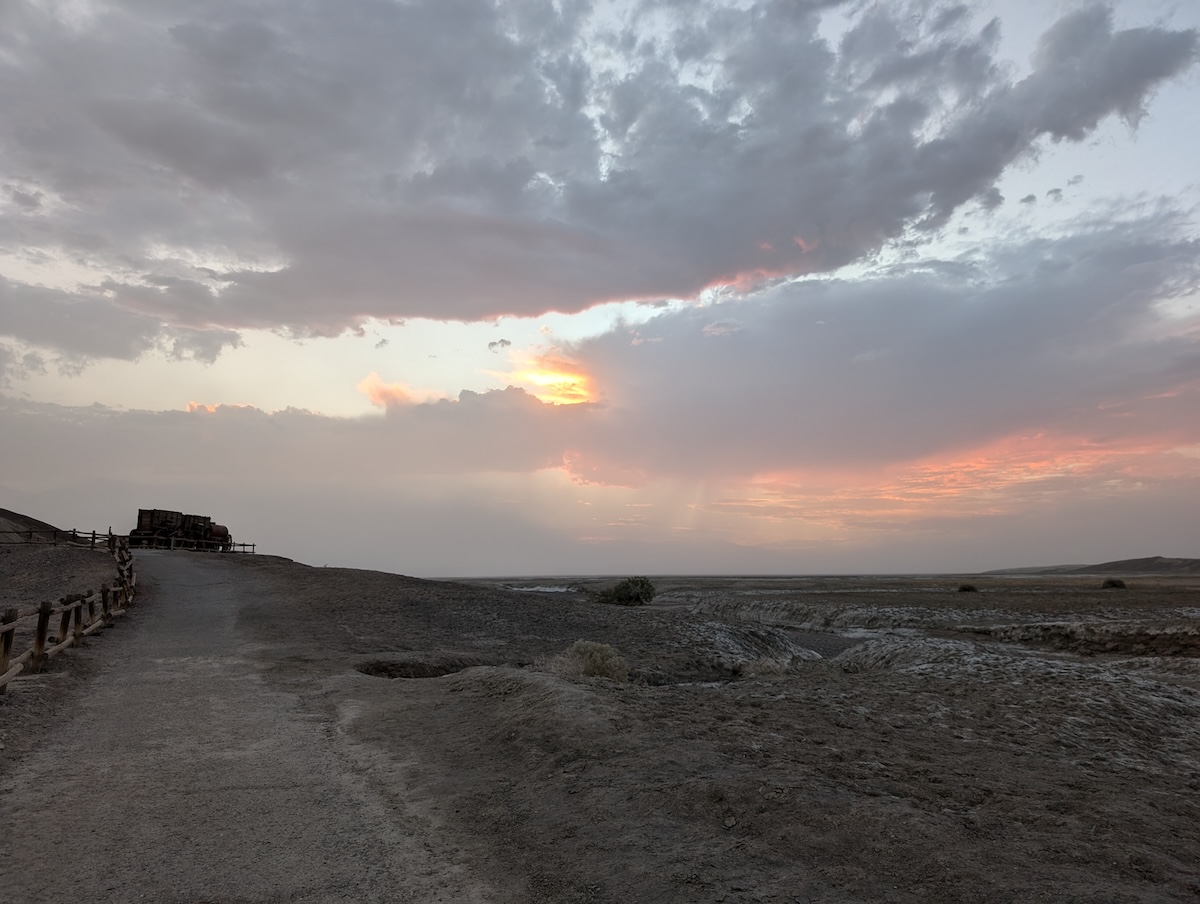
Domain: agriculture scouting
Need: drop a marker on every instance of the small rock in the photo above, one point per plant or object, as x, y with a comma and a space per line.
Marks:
730, 822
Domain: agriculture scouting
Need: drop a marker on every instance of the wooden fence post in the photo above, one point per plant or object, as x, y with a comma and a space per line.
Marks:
78, 623
93, 539
6, 642
91, 601
105, 611
64, 623
39, 637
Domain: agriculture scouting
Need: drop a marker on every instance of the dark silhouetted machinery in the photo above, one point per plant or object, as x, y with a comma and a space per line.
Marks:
161, 529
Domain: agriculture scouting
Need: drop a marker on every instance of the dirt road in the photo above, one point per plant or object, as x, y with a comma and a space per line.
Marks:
186, 777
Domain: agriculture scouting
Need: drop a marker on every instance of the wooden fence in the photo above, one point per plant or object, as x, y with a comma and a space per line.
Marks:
94, 539
184, 543
77, 616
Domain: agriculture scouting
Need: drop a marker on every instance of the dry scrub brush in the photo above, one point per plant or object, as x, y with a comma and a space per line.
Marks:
629, 592
588, 659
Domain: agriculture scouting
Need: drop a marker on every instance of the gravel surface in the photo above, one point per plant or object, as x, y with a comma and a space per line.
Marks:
249, 735
30, 574
183, 776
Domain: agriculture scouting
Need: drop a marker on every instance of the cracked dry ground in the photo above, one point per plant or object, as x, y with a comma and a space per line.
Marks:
941, 749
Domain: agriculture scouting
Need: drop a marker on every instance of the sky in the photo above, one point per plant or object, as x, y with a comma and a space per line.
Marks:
459, 287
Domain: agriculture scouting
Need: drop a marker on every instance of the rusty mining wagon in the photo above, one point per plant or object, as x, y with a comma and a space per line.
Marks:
162, 529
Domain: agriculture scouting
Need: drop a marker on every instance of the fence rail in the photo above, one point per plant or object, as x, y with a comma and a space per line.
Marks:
183, 543
73, 627
93, 539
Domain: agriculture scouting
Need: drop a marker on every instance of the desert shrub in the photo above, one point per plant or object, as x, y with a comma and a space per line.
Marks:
588, 659
1113, 584
967, 588
629, 592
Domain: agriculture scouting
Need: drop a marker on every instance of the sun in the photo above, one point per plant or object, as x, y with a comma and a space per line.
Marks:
554, 380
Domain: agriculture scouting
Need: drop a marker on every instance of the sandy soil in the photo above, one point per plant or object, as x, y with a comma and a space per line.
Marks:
28, 575
783, 740
945, 747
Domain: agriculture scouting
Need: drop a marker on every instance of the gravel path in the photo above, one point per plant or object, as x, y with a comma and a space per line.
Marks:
189, 778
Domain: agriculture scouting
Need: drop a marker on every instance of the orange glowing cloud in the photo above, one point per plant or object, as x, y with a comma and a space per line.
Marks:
201, 408
553, 379
1009, 475
385, 395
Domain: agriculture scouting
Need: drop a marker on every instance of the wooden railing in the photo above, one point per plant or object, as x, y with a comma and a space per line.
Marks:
73, 625
93, 539
53, 536
184, 543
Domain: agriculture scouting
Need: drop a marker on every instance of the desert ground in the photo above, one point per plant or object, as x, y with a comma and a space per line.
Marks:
773, 740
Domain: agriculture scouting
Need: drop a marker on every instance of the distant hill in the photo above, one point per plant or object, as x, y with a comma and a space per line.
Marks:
14, 527
1147, 565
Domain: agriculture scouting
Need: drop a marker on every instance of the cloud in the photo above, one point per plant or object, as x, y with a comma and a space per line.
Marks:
1036, 335
389, 492
932, 415
1065, 338
498, 345
299, 168
553, 378
384, 395
721, 328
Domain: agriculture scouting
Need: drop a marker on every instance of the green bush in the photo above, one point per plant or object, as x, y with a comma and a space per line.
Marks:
967, 588
588, 659
629, 592
1112, 584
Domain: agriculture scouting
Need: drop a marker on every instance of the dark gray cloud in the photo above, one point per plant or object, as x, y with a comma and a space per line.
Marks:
74, 323
498, 345
221, 166
1059, 335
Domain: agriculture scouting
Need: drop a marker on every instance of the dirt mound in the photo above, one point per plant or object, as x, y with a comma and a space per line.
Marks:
1090, 638
426, 666
1147, 565
18, 528
30, 573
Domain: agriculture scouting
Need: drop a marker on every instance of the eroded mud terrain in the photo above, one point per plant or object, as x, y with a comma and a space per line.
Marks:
843, 739
1019, 743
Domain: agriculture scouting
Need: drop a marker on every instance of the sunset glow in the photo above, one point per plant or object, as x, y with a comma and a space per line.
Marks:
554, 380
